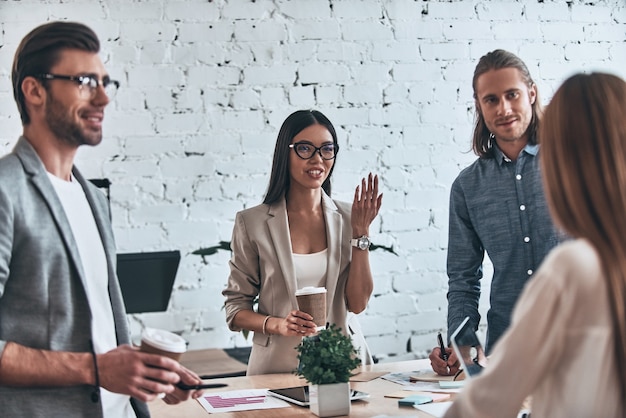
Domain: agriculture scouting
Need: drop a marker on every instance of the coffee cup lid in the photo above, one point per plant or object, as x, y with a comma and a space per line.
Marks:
164, 340
310, 290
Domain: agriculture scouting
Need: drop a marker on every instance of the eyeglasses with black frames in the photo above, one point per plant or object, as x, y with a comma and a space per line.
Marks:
306, 150
87, 83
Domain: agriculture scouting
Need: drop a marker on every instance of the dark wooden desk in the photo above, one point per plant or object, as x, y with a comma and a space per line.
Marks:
377, 404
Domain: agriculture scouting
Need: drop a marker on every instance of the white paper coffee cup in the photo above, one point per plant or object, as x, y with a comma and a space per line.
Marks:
165, 343
312, 300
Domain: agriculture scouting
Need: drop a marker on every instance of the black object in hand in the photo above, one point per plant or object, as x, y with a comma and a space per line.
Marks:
444, 354
181, 385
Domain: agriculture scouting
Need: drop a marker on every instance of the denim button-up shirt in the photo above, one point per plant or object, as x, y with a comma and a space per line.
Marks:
498, 206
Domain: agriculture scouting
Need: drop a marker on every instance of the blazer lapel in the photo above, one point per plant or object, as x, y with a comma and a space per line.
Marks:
334, 239
34, 167
278, 226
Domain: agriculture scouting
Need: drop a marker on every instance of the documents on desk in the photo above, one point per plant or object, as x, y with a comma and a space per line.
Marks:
435, 409
426, 375
404, 379
240, 400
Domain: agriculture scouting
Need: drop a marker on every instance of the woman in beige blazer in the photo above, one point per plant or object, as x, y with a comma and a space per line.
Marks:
299, 237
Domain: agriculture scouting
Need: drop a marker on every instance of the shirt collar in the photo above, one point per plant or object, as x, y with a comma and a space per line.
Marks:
531, 149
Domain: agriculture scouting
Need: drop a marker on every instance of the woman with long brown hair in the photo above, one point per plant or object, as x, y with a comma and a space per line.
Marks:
566, 346
299, 237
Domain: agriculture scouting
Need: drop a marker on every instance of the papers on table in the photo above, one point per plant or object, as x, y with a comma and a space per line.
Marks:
404, 379
437, 409
426, 375
435, 397
240, 400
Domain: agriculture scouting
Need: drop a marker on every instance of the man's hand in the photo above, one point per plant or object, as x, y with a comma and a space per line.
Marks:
442, 367
179, 395
141, 375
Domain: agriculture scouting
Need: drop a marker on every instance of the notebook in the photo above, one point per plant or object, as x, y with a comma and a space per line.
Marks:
468, 349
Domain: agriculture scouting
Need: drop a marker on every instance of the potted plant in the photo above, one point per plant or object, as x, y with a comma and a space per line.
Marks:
326, 361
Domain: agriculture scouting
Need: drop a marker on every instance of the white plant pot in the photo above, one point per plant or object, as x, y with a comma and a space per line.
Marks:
330, 400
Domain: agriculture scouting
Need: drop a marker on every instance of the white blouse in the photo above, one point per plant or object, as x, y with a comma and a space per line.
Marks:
311, 269
559, 347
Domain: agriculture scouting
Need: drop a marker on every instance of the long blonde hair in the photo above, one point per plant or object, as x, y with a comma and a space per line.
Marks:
584, 167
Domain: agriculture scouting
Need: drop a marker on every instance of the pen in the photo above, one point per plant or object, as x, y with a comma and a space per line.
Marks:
443, 355
183, 386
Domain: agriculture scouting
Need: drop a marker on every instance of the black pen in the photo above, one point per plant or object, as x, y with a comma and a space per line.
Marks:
181, 385
443, 355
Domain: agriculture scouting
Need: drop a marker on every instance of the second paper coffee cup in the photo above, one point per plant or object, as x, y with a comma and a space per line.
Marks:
165, 343
312, 300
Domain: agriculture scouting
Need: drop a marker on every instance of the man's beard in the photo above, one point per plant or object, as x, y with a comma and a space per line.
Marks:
65, 128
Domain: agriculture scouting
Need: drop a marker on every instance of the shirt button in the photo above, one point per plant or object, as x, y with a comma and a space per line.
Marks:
522, 207
530, 272
519, 176
526, 239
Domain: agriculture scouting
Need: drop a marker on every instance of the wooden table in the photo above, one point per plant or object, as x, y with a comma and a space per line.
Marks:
377, 404
213, 362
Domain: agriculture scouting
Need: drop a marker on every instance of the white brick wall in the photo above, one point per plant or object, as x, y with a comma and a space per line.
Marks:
206, 85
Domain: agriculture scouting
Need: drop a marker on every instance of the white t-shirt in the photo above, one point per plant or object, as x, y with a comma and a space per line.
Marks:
91, 250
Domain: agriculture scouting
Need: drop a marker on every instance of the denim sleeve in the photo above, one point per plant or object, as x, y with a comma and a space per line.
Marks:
464, 264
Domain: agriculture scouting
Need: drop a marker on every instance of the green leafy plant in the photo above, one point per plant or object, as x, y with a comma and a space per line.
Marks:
327, 357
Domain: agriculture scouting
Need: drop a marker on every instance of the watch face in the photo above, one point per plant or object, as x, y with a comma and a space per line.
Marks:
363, 243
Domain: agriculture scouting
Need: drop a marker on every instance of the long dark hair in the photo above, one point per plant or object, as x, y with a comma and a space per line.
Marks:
584, 174
482, 143
292, 126
40, 50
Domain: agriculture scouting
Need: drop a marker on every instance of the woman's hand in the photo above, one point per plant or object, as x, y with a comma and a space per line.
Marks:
366, 205
297, 323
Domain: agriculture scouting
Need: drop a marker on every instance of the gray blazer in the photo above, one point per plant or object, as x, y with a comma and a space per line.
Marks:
43, 303
262, 265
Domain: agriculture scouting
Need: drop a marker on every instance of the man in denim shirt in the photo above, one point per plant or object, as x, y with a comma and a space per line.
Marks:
497, 204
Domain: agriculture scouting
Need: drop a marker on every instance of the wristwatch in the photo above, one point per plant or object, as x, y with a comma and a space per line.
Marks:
362, 243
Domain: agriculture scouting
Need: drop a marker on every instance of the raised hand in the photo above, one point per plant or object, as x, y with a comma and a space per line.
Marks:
366, 205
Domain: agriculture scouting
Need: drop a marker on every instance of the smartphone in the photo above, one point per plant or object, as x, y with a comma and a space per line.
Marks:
299, 395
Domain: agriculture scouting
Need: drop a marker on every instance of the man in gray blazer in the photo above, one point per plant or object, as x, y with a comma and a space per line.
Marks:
64, 342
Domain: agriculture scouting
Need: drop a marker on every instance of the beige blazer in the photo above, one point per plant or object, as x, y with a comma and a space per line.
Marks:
262, 265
